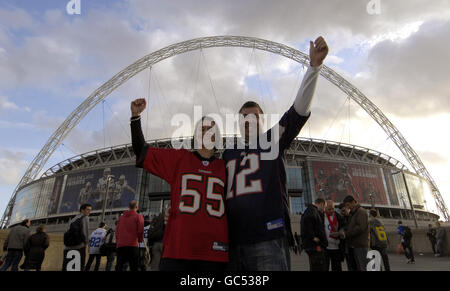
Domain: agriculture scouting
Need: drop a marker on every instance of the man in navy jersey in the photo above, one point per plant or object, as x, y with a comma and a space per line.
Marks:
256, 201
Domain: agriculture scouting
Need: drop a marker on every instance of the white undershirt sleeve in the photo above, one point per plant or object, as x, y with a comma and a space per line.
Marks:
302, 103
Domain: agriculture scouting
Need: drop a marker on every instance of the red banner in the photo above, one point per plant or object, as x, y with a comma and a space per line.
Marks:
335, 180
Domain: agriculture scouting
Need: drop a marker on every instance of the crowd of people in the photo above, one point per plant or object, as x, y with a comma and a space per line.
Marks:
330, 237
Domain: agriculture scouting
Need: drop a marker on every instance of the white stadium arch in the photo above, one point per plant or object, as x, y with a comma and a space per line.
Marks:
222, 41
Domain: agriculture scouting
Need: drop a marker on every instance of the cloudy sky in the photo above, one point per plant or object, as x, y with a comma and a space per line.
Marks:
50, 62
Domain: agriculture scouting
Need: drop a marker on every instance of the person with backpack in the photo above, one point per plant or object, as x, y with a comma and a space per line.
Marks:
96, 240
76, 238
406, 236
378, 238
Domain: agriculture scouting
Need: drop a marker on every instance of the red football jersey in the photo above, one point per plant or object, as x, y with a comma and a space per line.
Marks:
197, 228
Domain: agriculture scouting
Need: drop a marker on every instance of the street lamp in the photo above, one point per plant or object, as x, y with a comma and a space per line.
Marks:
108, 178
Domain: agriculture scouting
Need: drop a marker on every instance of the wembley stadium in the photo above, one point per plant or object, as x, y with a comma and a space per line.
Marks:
315, 168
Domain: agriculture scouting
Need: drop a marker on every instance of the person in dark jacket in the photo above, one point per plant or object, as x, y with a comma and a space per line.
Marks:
378, 238
406, 239
440, 239
431, 234
357, 233
14, 244
155, 240
111, 248
345, 214
314, 240
35, 249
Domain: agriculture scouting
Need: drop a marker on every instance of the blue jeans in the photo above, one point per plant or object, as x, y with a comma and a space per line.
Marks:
12, 259
272, 255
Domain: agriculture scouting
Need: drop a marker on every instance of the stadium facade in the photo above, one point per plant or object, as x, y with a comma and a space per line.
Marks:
315, 168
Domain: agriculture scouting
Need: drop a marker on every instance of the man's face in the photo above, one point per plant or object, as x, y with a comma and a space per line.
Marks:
321, 207
252, 123
87, 211
207, 134
330, 208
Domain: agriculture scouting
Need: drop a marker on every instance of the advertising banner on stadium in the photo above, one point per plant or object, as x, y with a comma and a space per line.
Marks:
391, 189
55, 196
26, 202
335, 180
90, 187
417, 190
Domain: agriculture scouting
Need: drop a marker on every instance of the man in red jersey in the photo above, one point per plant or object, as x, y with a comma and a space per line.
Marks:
196, 235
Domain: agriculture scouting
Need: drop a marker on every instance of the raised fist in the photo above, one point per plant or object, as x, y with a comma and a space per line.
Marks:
137, 106
318, 50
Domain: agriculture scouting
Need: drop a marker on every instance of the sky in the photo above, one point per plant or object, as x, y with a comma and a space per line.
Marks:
50, 62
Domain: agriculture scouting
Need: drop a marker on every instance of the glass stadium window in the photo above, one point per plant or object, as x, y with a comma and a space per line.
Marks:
294, 178
297, 205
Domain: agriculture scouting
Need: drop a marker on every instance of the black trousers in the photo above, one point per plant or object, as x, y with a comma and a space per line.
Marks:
433, 245
408, 250
335, 258
317, 261
91, 260
384, 256
82, 252
128, 255
167, 264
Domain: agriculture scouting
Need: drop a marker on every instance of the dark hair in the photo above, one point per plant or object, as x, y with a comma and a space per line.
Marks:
84, 206
133, 204
250, 104
102, 224
349, 199
319, 201
399, 222
342, 205
40, 228
24, 222
373, 212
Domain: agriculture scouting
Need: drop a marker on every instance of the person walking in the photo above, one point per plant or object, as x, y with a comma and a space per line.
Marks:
96, 240
314, 240
431, 234
129, 233
14, 245
406, 237
357, 234
35, 249
76, 238
143, 247
378, 238
440, 238
333, 222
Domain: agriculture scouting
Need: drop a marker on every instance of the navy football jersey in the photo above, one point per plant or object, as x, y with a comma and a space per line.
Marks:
256, 203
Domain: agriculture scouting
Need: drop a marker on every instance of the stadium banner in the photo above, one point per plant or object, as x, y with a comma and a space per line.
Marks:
56, 195
335, 180
417, 188
90, 187
391, 189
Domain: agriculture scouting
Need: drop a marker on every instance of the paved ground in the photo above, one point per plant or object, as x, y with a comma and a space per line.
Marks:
426, 262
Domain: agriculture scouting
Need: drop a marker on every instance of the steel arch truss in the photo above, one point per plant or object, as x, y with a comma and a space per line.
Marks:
222, 41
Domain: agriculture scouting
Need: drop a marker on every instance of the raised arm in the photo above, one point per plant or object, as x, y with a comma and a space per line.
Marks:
137, 137
318, 50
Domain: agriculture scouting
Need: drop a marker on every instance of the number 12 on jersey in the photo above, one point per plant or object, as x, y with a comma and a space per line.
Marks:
243, 186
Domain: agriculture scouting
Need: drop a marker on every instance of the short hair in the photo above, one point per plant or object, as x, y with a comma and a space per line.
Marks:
102, 224
319, 201
373, 212
24, 222
399, 222
84, 206
342, 205
133, 204
40, 228
349, 199
250, 104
